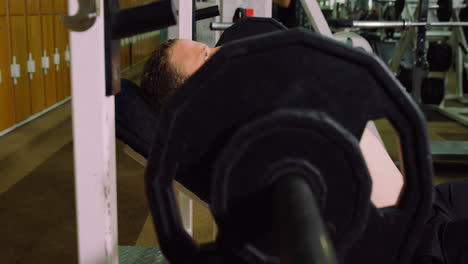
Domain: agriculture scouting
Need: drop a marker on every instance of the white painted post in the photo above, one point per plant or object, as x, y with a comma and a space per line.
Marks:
316, 17
94, 146
262, 8
183, 30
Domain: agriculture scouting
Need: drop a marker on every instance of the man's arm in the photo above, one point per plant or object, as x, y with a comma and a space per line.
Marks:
282, 3
387, 180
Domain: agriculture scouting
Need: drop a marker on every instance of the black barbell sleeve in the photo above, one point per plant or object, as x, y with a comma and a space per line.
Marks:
298, 224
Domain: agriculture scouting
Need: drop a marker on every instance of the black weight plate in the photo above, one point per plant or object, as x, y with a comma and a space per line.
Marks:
439, 57
465, 82
405, 76
288, 140
399, 6
288, 69
432, 90
444, 11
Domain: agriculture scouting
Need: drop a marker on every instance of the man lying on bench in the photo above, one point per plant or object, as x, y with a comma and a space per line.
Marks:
176, 60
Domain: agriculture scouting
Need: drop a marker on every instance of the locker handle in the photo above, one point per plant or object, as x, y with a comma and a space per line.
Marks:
83, 19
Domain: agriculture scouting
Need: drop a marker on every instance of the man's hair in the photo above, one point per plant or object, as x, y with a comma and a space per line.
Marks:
160, 78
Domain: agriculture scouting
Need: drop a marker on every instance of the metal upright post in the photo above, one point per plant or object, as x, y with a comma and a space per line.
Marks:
183, 30
316, 17
93, 137
421, 65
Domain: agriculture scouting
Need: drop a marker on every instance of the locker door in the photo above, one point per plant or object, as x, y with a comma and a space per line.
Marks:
19, 50
3, 7
7, 97
66, 56
61, 68
33, 7
61, 6
48, 48
47, 7
17, 7
36, 79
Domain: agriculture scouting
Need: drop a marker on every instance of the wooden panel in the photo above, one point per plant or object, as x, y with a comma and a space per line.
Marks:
7, 98
3, 7
124, 56
47, 7
36, 80
17, 7
61, 6
48, 42
33, 7
19, 49
60, 46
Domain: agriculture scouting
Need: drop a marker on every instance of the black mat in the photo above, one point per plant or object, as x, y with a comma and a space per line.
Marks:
433, 115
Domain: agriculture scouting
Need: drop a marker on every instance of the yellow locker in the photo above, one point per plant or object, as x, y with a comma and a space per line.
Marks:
66, 58
3, 7
47, 7
147, 49
136, 50
62, 69
36, 78
17, 7
48, 48
124, 3
33, 7
61, 6
7, 97
151, 45
144, 47
124, 56
19, 52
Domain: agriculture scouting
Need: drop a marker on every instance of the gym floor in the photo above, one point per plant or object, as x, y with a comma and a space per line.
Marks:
37, 208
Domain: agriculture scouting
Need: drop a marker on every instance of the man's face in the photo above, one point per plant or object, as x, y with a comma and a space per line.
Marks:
188, 55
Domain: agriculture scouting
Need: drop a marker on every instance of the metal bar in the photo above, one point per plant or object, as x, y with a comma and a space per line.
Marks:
220, 25
94, 147
301, 233
143, 18
393, 24
208, 12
